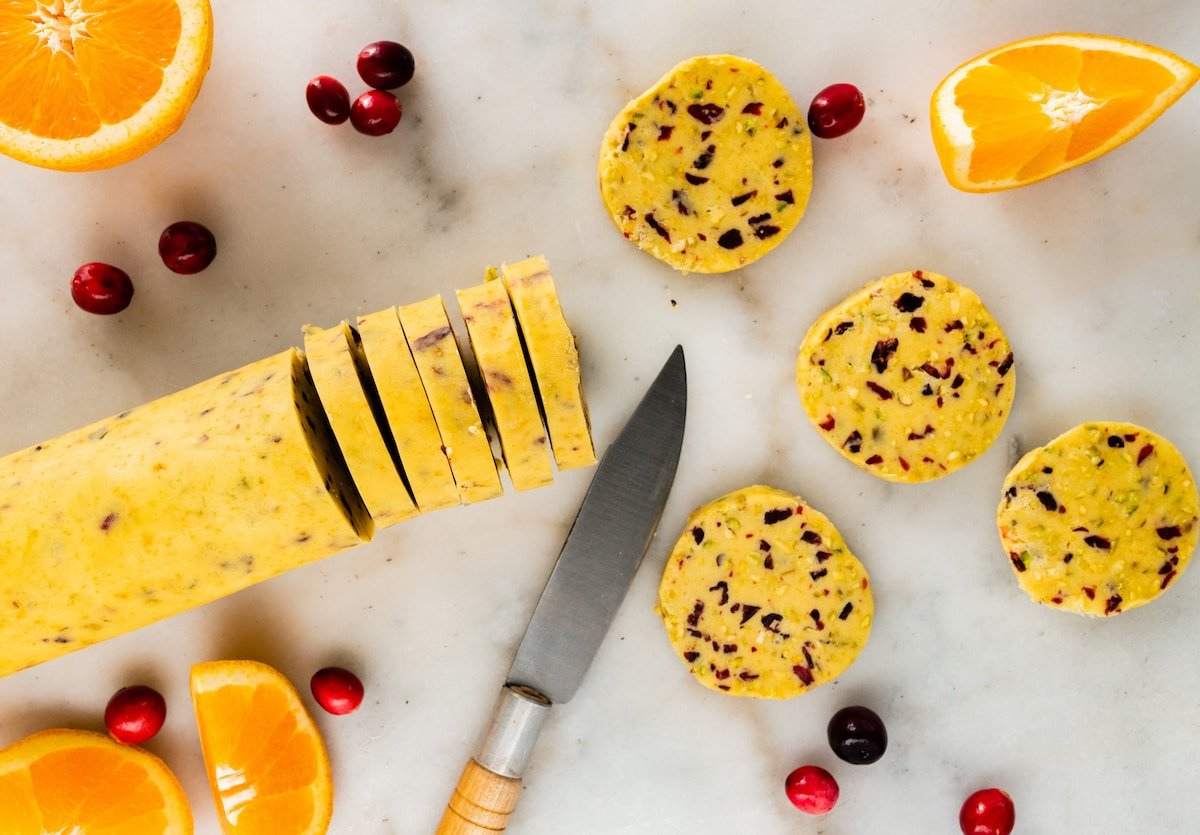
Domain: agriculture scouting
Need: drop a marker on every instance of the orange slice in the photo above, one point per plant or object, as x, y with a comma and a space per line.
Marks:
266, 762
87, 84
1031, 109
62, 781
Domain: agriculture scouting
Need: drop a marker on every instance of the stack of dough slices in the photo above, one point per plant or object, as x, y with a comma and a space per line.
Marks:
287, 460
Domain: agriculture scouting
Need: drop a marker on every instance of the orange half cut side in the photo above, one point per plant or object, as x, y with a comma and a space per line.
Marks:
86, 784
1040, 106
88, 84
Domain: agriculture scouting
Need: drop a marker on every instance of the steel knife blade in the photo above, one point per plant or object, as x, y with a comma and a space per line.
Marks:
602, 552
606, 544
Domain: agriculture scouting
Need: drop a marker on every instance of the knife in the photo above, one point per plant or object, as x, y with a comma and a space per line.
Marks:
594, 569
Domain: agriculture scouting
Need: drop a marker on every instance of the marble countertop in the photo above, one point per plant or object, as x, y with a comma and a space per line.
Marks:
1090, 725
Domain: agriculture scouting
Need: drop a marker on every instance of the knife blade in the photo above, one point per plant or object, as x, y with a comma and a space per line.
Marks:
597, 563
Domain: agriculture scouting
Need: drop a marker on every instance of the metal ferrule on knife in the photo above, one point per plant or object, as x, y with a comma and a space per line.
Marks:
516, 723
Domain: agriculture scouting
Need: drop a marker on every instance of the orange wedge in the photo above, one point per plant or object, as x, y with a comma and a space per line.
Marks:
88, 84
77, 782
1031, 109
266, 762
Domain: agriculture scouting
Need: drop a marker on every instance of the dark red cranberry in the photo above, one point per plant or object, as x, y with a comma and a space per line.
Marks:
338, 691
328, 100
857, 735
386, 65
812, 789
375, 113
836, 110
101, 288
135, 714
987, 812
187, 247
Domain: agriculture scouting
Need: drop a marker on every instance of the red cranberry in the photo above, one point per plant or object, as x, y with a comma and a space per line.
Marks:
101, 288
338, 691
987, 812
135, 714
375, 113
328, 100
386, 65
812, 789
857, 735
836, 110
187, 247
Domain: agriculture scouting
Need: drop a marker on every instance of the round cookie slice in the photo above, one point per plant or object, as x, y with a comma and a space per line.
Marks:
710, 168
1100, 520
761, 597
910, 378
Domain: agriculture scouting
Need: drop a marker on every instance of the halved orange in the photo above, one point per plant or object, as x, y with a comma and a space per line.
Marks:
1037, 107
87, 84
83, 783
266, 762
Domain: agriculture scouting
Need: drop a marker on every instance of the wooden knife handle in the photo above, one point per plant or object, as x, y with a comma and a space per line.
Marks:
481, 803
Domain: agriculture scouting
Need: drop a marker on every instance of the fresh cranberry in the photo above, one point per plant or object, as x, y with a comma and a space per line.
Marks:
328, 100
836, 110
375, 113
987, 812
187, 247
812, 789
338, 691
135, 714
101, 288
857, 735
386, 65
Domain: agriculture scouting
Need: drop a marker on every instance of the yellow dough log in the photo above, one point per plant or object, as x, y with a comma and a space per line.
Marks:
204, 492
166, 506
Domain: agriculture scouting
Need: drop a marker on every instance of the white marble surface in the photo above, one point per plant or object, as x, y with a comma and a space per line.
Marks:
1092, 726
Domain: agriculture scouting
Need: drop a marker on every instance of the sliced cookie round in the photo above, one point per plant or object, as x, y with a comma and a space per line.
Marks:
761, 597
910, 378
1100, 520
710, 168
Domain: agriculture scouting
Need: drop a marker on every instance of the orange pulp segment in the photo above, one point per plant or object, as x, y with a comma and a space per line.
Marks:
266, 762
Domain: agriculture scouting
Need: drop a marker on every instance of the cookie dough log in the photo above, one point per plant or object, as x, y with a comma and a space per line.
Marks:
435, 351
1100, 520
492, 329
554, 357
344, 383
910, 378
709, 169
762, 597
167, 506
407, 410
